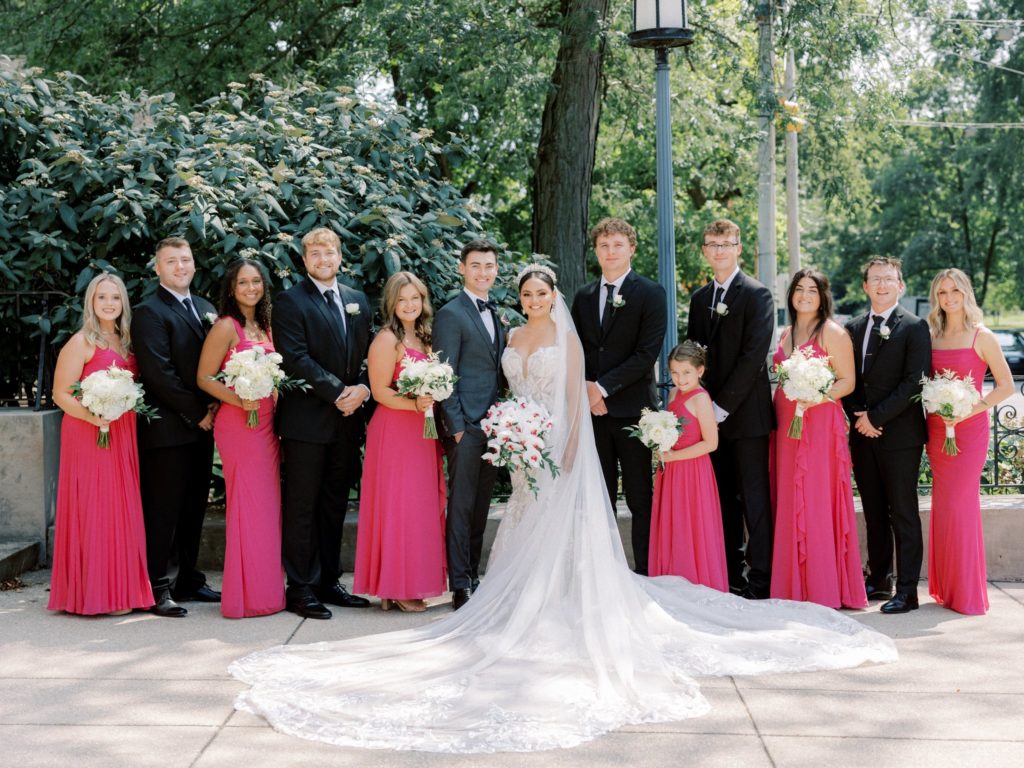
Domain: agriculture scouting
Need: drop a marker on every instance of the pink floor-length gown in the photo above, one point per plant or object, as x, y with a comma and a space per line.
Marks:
253, 571
816, 555
956, 543
99, 558
400, 539
686, 518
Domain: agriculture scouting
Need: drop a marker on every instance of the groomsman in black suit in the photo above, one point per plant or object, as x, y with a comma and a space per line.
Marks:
468, 335
322, 331
621, 320
734, 317
175, 450
892, 351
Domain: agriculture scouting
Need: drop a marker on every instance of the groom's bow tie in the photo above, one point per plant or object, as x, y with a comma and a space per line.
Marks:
483, 306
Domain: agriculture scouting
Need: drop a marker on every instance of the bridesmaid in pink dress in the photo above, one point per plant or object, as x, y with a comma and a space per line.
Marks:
400, 542
99, 558
253, 571
816, 555
956, 544
686, 518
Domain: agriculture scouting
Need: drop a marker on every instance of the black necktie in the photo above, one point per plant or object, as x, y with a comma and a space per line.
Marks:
192, 316
335, 311
719, 294
874, 337
609, 304
483, 306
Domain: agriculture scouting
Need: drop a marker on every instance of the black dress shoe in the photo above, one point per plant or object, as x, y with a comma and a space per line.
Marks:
877, 593
165, 606
202, 595
460, 597
306, 605
473, 586
903, 602
750, 594
336, 594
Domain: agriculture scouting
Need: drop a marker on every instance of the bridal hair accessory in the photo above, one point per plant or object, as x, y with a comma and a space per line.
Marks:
537, 268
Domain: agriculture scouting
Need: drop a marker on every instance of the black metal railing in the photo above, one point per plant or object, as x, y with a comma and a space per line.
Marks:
27, 356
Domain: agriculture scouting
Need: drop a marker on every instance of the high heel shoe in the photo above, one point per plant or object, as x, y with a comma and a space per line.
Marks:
408, 606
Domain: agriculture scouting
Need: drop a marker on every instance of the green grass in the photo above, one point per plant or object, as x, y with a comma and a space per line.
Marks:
1014, 319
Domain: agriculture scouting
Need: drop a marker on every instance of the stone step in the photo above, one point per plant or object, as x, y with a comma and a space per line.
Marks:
18, 556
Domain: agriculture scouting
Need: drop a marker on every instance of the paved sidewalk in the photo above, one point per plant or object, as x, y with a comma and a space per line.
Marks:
138, 691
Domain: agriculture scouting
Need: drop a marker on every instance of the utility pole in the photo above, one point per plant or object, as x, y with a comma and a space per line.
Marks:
792, 168
766, 245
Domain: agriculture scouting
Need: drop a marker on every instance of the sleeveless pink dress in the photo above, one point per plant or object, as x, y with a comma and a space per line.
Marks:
816, 555
253, 572
956, 543
400, 538
99, 557
686, 518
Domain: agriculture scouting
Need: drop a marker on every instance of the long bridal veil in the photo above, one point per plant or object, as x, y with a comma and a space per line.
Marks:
562, 642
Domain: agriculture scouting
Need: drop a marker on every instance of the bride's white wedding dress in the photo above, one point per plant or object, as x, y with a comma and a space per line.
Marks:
561, 642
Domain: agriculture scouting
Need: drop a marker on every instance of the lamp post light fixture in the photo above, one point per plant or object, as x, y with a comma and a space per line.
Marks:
663, 24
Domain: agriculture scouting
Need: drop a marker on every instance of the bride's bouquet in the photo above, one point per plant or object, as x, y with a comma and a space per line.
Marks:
658, 430
517, 431
254, 374
804, 377
951, 397
110, 394
427, 377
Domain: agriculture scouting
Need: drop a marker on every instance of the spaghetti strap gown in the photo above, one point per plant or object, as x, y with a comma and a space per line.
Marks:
816, 555
956, 543
253, 572
400, 540
99, 558
686, 519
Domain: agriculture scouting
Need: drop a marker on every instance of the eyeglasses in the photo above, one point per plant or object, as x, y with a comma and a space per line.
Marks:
719, 246
882, 280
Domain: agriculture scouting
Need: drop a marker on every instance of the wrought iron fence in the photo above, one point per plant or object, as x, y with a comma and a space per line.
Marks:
27, 355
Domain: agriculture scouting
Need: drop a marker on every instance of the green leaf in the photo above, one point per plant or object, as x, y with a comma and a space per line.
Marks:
68, 216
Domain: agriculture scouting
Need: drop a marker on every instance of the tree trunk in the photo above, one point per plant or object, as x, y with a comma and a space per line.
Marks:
568, 142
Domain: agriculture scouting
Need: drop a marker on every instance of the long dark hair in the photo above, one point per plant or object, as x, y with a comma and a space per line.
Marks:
824, 294
228, 307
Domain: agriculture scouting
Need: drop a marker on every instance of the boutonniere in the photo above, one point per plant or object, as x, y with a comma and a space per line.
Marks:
721, 309
884, 331
618, 302
352, 309
211, 318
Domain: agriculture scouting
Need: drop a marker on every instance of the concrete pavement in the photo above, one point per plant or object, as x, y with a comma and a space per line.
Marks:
139, 691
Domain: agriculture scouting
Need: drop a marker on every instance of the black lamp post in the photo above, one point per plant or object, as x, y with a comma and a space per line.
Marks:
662, 24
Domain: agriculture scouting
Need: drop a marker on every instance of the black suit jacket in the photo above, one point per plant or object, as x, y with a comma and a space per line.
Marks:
886, 388
622, 360
313, 350
738, 345
167, 346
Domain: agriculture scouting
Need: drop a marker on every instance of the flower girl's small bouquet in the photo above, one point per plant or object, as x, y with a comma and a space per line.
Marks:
658, 430
254, 374
110, 394
804, 377
950, 397
517, 431
427, 377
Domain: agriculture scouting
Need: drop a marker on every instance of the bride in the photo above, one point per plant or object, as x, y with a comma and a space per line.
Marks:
561, 642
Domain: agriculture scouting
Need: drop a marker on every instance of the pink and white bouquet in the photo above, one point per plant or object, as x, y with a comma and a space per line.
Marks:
517, 431
658, 430
254, 374
427, 377
951, 397
804, 378
110, 394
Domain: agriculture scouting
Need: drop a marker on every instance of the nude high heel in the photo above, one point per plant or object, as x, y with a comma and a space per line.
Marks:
407, 606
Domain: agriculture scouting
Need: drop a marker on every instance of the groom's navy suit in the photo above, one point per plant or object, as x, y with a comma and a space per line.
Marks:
886, 467
736, 377
461, 338
620, 357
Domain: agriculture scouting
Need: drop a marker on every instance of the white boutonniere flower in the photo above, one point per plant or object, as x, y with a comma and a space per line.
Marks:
211, 318
618, 302
352, 309
721, 309
884, 331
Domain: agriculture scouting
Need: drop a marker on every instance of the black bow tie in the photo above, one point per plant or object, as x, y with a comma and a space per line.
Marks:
483, 306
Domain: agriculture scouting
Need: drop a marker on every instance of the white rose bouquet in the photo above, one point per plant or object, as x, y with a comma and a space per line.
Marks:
110, 394
804, 378
427, 377
517, 431
254, 374
658, 430
950, 397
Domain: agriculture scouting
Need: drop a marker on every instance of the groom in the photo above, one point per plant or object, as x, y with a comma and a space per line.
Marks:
621, 321
468, 335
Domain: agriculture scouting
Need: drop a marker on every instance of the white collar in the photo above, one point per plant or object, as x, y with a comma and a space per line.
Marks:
324, 287
728, 281
179, 296
884, 315
618, 281
474, 297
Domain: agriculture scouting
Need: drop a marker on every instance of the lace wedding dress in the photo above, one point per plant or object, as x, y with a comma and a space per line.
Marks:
561, 642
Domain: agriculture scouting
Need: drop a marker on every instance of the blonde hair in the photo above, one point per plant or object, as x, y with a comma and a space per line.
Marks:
937, 317
321, 235
389, 300
91, 324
